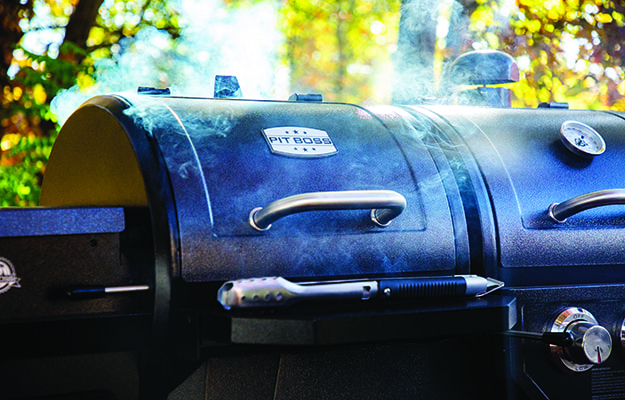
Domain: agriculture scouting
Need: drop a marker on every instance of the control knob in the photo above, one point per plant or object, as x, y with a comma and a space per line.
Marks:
591, 344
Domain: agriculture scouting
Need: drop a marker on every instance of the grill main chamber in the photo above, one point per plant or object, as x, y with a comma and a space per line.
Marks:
109, 289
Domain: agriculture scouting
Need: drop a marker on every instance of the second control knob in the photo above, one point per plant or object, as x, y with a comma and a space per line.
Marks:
592, 343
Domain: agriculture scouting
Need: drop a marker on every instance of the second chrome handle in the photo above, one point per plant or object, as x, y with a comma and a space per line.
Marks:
559, 212
385, 205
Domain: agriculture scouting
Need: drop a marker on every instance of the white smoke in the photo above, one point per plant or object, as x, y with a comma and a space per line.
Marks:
214, 40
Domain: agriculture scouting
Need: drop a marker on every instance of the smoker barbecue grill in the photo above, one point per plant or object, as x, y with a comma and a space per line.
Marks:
227, 248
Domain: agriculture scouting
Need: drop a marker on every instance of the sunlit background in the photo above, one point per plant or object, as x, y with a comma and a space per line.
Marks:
57, 54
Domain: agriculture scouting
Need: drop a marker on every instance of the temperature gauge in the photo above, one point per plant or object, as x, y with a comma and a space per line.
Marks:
581, 139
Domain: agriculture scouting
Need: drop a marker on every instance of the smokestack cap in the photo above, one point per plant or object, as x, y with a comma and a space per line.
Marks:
483, 67
227, 87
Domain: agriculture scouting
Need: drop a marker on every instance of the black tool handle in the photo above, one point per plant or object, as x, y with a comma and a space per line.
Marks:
86, 292
402, 289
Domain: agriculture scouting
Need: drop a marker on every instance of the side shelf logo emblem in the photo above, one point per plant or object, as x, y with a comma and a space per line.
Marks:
8, 278
297, 141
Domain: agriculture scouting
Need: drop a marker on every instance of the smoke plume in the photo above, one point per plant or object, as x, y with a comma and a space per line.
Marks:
213, 40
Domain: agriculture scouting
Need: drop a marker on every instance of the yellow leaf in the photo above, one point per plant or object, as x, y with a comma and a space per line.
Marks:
603, 18
534, 25
17, 92
85, 81
39, 94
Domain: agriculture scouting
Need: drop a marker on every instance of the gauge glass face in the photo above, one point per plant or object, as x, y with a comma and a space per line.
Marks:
581, 139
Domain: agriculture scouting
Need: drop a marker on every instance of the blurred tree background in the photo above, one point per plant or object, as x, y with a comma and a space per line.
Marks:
567, 51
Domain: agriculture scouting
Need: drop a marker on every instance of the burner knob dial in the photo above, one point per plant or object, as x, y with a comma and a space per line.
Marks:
592, 343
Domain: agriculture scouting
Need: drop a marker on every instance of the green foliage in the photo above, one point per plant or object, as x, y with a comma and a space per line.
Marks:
21, 183
50, 74
126, 19
30, 127
568, 51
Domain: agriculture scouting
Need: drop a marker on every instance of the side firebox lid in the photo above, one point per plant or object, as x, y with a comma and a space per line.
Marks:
93, 162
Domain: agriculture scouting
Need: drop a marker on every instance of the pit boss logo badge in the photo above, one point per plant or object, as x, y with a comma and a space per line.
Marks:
8, 279
296, 141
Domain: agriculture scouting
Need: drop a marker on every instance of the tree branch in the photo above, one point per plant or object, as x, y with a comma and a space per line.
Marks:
81, 21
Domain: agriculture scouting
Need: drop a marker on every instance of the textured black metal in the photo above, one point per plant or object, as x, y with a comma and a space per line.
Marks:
477, 183
61, 221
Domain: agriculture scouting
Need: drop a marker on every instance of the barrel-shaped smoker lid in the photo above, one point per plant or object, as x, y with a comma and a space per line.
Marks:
210, 163
526, 168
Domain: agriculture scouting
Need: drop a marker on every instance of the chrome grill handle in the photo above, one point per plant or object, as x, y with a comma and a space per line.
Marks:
559, 212
386, 205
